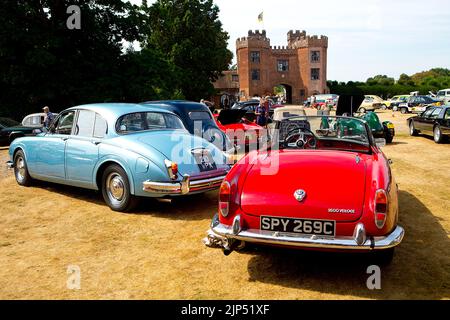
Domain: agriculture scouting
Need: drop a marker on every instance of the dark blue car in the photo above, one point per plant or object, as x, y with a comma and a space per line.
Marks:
198, 120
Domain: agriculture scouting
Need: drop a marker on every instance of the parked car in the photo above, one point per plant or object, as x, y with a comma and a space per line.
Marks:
393, 102
198, 120
443, 95
417, 104
435, 121
385, 129
249, 107
35, 120
126, 151
371, 103
11, 129
287, 112
238, 129
360, 216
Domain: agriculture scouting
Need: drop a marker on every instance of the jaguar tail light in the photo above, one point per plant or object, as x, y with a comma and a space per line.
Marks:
381, 207
172, 169
224, 198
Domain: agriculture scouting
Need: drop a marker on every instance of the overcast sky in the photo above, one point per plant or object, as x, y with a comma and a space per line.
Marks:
365, 38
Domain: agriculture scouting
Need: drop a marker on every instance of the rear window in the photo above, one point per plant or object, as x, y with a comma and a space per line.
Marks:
143, 121
199, 115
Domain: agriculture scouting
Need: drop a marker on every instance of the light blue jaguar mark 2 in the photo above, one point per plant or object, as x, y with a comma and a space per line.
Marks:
125, 150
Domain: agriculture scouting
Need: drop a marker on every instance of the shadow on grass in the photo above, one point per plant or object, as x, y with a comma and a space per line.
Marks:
420, 268
431, 138
191, 207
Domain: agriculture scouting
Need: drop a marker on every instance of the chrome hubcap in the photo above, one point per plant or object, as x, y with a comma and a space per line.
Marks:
115, 187
20, 168
437, 134
411, 127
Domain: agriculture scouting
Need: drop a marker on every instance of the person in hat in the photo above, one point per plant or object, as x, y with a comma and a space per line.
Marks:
48, 118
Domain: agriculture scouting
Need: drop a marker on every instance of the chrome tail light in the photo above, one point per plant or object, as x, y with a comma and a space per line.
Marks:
380, 208
172, 169
224, 198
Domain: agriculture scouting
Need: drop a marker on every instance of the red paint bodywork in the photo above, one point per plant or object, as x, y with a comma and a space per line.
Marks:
331, 179
234, 130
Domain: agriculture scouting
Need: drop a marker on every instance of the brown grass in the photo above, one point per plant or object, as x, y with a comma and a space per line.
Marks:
157, 252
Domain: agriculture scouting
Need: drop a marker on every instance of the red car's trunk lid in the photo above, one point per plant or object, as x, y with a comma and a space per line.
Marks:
334, 182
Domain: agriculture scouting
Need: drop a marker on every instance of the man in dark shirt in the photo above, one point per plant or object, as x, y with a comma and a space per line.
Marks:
48, 117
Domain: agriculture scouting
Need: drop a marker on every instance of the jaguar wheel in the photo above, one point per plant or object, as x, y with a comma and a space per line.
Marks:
116, 189
21, 173
412, 129
437, 135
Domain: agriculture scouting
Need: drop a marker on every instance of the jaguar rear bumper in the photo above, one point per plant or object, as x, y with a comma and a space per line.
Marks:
185, 186
223, 236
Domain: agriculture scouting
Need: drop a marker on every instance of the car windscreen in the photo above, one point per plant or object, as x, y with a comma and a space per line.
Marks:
346, 129
6, 122
143, 121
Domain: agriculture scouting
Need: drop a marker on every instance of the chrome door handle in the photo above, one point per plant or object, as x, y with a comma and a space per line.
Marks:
96, 142
65, 139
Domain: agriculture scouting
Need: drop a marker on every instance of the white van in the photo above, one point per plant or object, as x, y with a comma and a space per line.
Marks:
443, 95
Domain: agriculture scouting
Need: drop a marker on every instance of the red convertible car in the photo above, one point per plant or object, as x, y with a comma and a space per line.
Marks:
281, 196
238, 129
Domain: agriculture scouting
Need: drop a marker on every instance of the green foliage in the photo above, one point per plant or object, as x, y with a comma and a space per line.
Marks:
381, 85
189, 33
42, 62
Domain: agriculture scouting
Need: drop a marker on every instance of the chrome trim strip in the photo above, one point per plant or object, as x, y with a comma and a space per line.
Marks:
183, 187
218, 232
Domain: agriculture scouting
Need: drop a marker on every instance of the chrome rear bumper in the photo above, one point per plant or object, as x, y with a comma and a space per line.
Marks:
221, 236
10, 164
186, 185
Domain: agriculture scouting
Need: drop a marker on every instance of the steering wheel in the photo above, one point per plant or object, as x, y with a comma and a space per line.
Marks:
306, 138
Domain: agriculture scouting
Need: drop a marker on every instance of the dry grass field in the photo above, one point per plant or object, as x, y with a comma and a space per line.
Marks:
157, 253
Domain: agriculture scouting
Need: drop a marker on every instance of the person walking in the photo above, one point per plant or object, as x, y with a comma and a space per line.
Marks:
48, 118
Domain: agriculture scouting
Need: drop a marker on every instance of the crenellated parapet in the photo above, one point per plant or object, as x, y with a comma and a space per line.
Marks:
255, 39
299, 39
284, 50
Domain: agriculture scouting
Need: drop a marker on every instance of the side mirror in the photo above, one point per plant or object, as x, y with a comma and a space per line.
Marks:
380, 142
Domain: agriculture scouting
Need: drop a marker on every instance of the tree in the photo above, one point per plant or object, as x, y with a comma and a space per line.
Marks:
42, 62
189, 33
405, 80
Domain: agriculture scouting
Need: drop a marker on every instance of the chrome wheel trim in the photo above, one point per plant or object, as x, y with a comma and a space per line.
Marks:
411, 128
115, 188
437, 134
20, 168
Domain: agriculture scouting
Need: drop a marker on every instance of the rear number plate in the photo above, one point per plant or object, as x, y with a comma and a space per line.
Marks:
301, 226
205, 162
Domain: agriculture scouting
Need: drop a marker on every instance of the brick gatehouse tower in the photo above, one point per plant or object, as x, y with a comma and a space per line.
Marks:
301, 66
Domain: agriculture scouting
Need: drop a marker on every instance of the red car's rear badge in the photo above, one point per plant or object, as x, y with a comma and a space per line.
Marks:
299, 195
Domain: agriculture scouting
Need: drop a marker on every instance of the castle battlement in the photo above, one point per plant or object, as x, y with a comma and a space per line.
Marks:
300, 65
299, 39
257, 39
